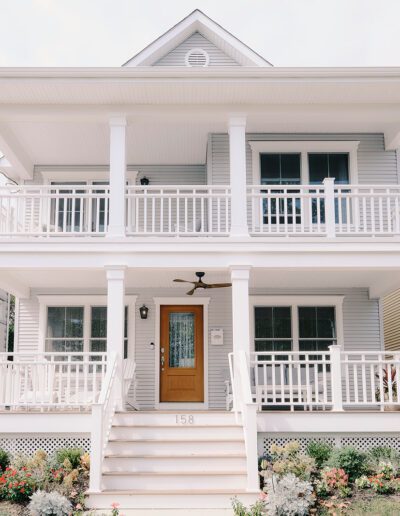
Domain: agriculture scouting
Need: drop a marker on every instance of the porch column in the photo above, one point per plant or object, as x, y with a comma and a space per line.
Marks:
237, 164
116, 226
240, 275
115, 320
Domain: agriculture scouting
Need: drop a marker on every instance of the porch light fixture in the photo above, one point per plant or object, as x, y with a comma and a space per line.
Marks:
144, 181
143, 310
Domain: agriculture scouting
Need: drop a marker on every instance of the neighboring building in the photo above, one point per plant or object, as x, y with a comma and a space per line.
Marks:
197, 156
391, 320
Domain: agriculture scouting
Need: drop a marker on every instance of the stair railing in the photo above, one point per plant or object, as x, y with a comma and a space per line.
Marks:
243, 404
102, 415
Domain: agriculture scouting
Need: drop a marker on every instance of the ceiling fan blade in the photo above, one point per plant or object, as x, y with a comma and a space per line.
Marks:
218, 285
185, 281
191, 292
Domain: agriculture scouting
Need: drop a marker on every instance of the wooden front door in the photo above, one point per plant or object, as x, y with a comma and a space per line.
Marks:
181, 354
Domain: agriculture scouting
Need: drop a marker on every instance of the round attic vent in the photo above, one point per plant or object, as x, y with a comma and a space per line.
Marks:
197, 57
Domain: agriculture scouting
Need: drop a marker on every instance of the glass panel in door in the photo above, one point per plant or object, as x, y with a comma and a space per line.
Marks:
181, 340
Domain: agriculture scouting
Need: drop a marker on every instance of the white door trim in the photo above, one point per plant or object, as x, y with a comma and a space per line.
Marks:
158, 302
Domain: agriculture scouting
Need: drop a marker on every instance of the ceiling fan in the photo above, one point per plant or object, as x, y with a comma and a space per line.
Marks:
200, 283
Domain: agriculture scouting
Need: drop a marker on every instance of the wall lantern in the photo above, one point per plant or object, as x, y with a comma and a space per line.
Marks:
143, 310
144, 181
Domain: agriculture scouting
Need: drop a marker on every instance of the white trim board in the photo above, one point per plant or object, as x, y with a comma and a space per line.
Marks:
303, 148
158, 302
294, 302
88, 176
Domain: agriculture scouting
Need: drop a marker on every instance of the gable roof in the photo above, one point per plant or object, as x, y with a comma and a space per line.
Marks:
197, 21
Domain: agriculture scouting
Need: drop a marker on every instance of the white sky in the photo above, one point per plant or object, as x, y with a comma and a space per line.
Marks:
286, 32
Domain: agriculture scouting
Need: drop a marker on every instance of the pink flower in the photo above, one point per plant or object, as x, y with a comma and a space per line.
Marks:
263, 495
115, 505
78, 506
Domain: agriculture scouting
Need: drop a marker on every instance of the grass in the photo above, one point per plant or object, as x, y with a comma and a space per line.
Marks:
377, 506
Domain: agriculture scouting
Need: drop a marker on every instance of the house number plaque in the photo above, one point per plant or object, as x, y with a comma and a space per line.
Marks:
184, 419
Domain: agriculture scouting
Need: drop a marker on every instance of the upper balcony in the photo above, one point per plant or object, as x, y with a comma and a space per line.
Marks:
202, 211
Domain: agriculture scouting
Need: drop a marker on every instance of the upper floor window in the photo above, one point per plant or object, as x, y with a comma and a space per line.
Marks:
280, 168
328, 164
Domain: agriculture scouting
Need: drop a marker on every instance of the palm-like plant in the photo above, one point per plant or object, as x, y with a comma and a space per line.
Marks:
389, 382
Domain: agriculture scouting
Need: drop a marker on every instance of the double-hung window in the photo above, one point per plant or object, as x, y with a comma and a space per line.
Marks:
296, 326
77, 329
280, 169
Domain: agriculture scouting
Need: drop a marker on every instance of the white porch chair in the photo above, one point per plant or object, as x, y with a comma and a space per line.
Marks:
129, 380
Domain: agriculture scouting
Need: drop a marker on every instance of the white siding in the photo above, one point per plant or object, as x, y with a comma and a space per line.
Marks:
375, 165
360, 318
176, 57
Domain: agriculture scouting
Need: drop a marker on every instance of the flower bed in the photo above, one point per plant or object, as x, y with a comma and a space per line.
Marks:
326, 481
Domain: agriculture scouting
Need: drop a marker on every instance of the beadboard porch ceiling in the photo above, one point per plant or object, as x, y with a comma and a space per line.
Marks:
94, 281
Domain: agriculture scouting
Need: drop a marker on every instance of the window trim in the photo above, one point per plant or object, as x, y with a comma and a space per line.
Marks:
303, 148
87, 301
294, 302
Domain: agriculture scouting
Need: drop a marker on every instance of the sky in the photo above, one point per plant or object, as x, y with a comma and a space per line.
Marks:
285, 32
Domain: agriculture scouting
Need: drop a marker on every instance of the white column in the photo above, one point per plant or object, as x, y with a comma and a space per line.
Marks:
329, 184
237, 164
116, 227
336, 375
115, 320
240, 275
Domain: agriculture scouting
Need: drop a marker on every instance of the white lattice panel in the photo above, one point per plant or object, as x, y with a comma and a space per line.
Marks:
363, 443
29, 445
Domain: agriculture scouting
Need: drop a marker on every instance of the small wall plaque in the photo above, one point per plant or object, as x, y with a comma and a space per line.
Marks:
217, 337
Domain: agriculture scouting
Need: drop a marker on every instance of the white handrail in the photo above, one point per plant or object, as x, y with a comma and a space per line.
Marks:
50, 380
48, 210
200, 210
243, 404
102, 416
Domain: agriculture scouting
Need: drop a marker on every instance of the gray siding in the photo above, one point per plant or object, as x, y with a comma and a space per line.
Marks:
375, 165
176, 57
158, 174
360, 319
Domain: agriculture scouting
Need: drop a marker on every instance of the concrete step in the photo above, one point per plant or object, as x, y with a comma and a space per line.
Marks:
136, 432
188, 463
198, 501
175, 447
172, 480
178, 418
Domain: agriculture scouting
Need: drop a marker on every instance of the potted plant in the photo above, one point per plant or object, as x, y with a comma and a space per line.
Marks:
389, 377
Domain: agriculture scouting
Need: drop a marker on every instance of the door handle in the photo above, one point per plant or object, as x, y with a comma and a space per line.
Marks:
162, 360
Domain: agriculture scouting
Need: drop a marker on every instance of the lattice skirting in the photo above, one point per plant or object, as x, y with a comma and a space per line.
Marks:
364, 442
29, 445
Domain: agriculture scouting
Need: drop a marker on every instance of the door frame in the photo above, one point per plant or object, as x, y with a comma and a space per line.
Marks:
184, 301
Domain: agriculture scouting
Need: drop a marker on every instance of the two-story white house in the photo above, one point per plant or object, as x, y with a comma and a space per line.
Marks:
272, 192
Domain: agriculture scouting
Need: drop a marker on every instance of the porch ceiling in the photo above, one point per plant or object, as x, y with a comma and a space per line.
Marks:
21, 282
79, 135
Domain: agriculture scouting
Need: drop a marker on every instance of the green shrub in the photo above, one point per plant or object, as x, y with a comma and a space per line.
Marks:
72, 455
319, 451
352, 461
381, 453
5, 459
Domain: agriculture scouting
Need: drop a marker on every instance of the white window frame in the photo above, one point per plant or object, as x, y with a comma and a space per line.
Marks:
294, 302
304, 148
87, 301
158, 302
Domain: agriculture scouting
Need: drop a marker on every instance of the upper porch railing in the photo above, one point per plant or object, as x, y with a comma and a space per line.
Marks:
325, 210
